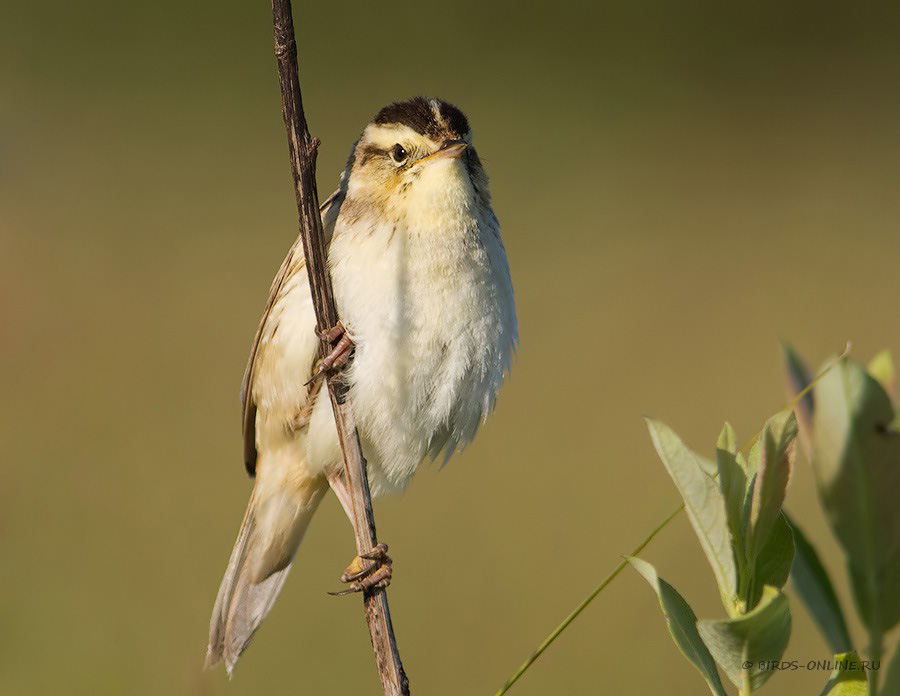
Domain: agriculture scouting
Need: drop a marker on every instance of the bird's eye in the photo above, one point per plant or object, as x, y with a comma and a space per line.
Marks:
399, 154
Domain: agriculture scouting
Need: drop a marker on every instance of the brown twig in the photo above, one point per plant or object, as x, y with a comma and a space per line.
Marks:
303, 150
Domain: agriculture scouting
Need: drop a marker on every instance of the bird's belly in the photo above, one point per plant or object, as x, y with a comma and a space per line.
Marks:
426, 366
408, 394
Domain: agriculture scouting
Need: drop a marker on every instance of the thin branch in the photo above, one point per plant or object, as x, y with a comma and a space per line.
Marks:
303, 150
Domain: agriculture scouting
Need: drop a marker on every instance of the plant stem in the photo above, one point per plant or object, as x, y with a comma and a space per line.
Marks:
747, 689
587, 600
876, 650
303, 149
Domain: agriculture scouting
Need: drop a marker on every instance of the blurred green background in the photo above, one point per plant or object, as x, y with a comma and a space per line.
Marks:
681, 186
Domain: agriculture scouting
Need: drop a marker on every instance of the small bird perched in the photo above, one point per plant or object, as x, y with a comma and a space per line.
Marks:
428, 331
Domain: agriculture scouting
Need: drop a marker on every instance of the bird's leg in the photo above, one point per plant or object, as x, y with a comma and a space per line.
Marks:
366, 571
338, 356
339, 486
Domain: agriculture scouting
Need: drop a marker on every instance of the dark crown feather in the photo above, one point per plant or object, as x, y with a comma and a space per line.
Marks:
418, 114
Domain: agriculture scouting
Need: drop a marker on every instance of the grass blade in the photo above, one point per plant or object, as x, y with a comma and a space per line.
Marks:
548, 641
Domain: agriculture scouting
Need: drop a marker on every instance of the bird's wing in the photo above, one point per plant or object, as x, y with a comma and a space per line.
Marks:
289, 267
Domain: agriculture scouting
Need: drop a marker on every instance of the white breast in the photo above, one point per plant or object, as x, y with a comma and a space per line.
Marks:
431, 311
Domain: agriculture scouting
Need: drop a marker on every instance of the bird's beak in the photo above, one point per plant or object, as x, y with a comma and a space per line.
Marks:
451, 149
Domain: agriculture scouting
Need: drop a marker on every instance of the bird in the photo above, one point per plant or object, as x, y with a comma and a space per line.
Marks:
427, 336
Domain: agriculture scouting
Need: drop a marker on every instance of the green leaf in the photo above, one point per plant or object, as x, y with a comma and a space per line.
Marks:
773, 564
682, 624
704, 504
856, 457
814, 587
733, 485
750, 478
887, 594
848, 677
732, 480
881, 368
727, 440
709, 467
758, 638
772, 477
753, 458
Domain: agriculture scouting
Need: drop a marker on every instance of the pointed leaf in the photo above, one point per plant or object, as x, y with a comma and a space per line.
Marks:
881, 367
773, 564
812, 584
887, 594
704, 504
753, 458
848, 677
758, 638
857, 463
772, 478
682, 624
727, 439
732, 484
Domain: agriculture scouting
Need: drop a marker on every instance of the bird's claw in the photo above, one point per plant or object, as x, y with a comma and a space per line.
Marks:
367, 576
339, 355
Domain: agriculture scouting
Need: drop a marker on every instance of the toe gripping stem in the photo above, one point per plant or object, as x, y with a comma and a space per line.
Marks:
363, 576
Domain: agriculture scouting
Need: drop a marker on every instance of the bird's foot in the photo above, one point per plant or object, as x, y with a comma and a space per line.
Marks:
339, 355
363, 576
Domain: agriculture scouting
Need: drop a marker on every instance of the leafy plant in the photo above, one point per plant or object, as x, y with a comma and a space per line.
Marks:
849, 431
734, 506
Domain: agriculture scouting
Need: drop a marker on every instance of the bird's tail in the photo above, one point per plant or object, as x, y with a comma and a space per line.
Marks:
271, 532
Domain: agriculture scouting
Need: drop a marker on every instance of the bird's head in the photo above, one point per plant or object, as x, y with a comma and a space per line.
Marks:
416, 159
